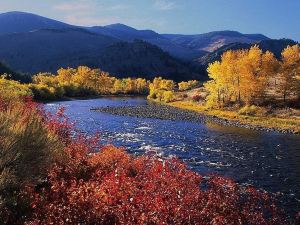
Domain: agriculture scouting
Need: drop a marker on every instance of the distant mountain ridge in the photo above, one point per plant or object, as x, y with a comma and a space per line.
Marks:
185, 47
17, 22
47, 50
30, 43
274, 46
213, 40
129, 34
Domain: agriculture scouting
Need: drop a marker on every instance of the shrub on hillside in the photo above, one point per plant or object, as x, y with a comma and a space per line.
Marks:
161, 90
184, 86
168, 96
251, 110
197, 98
45, 92
27, 149
11, 90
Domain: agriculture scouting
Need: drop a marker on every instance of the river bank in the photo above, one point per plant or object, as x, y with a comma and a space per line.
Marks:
232, 117
90, 97
185, 111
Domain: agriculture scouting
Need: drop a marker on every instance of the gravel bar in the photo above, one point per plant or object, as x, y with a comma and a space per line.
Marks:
157, 111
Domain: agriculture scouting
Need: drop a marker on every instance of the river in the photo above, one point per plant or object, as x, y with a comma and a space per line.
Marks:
269, 161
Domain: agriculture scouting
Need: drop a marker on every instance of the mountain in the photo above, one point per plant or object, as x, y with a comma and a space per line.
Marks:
50, 49
47, 50
274, 46
129, 34
142, 59
212, 41
124, 32
4, 69
30, 44
185, 47
13, 75
16, 22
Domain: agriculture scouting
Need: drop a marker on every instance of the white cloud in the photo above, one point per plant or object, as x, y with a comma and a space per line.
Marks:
89, 12
117, 7
90, 21
164, 5
80, 5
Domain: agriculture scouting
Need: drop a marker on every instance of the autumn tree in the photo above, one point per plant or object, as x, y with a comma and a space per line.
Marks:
84, 81
242, 77
289, 73
161, 90
11, 91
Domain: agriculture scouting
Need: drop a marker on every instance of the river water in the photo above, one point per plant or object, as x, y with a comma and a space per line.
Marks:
269, 161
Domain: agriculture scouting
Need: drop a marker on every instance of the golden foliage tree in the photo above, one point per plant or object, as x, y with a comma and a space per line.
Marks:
161, 90
184, 86
252, 76
289, 74
84, 81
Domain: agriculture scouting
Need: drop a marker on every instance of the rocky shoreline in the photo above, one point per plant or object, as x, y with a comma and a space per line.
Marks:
164, 112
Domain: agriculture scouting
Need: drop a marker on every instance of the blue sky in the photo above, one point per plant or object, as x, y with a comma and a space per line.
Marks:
274, 18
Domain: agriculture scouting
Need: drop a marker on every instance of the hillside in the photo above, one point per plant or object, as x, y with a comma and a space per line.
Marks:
13, 75
212, 41
48, 50
186, 47
275, 46
30, 43
18, 22
141, 59
4, 69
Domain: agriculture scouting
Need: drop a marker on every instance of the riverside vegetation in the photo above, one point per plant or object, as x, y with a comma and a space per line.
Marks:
247, 87
250, 88
51, 173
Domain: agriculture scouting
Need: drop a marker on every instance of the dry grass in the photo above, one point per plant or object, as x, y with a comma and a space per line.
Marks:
278, 119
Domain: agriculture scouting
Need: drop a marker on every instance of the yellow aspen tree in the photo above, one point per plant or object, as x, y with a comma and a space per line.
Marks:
289, 84
65, 76
228, 77
215, 85
269, 73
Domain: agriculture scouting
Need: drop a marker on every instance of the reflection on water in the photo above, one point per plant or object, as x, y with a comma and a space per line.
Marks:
267, 160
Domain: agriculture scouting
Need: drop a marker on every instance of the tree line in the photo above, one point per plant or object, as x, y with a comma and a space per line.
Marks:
84, 81
241, 77
254, 77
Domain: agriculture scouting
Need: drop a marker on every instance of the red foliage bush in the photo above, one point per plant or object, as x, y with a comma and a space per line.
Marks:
97, 184
109, 186
197, 98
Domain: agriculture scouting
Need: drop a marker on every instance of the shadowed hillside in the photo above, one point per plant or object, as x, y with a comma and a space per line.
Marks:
13, 75
48, 50
141, 59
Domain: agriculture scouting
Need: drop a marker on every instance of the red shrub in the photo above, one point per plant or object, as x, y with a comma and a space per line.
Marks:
112, 187
197, 98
